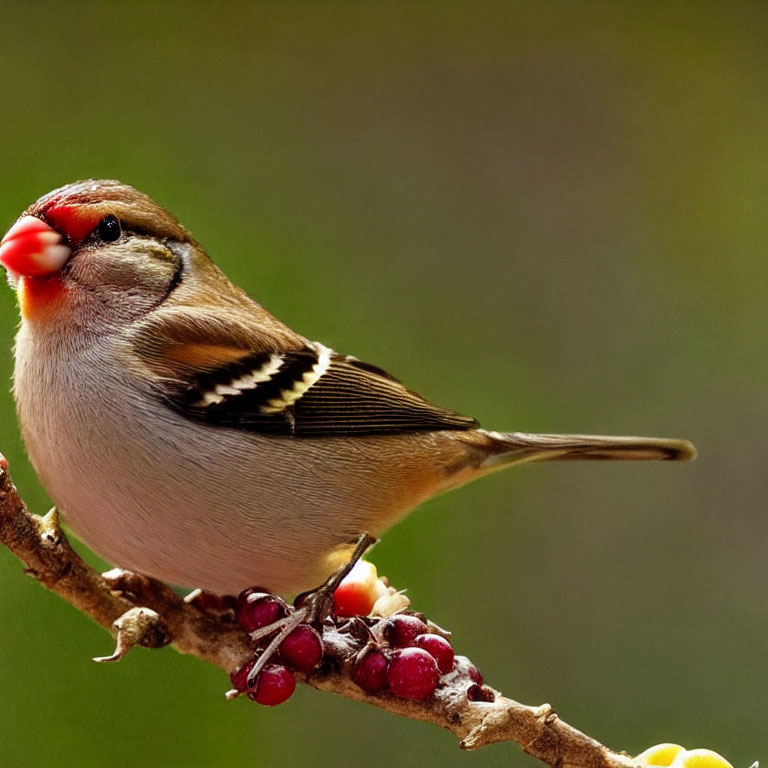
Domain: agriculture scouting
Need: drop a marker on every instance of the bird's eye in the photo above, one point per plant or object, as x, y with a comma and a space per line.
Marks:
109, 228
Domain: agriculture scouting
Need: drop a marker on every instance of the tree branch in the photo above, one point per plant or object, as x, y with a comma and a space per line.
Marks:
143, 611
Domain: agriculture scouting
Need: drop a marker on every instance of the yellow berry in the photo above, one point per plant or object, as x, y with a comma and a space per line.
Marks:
675, 756
700, 758
661, 754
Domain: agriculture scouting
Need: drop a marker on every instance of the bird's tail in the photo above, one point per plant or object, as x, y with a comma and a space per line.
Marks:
519, 447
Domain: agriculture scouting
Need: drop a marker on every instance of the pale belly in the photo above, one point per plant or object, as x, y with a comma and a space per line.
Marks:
207, 507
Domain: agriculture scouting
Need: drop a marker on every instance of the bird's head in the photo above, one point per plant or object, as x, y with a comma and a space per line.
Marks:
94, 251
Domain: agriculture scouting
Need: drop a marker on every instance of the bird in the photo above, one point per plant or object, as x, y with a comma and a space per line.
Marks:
185, 433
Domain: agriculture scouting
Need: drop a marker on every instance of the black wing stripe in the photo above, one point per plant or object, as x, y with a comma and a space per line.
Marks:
294, 366
206, 381
235, 387
311, 394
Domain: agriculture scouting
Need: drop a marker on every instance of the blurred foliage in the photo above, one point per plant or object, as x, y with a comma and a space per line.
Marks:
547, 214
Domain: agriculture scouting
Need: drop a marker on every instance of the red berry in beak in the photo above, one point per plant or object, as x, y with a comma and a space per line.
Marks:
31, 248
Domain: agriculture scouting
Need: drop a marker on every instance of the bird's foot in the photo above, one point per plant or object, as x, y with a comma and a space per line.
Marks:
309, 608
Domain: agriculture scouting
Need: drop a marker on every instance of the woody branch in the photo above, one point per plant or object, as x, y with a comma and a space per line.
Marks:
145, 612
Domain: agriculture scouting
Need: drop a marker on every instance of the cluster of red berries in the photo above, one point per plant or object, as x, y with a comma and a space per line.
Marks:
399, 654
406, 658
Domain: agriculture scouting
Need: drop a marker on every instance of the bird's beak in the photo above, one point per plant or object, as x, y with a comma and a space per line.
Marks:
32, 248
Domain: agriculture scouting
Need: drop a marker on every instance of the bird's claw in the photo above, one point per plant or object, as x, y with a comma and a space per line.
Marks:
310, 608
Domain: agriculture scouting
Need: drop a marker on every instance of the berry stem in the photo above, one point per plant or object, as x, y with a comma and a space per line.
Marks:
289, 624
364, 543
317, 605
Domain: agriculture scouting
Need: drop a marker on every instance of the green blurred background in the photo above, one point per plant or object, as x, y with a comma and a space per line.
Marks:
550, 215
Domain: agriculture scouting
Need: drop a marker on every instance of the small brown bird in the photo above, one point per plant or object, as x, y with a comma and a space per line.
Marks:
185, 433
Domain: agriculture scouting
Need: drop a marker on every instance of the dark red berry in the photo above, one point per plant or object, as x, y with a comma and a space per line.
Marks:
477, 692
412, 674
475, 674
274, 685
302, 649
243, 596
370, 673
438, 647
400, 630
258, 609
239, 677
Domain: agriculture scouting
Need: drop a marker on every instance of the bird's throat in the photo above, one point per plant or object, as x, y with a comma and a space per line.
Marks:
40, 297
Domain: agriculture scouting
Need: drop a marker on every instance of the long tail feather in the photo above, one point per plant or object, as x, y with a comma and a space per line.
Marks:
520, 447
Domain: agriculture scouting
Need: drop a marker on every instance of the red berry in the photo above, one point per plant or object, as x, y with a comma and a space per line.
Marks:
242, 597
274, 685
258, 609
413, 674
353, 599
239, 677
370, 673
475, 674
437, 647
477, 692
302, 649
401, 630
358, 592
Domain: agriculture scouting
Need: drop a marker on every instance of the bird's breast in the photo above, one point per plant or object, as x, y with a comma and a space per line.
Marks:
194, 505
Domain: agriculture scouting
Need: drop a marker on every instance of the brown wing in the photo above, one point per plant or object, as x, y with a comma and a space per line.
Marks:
309, 392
